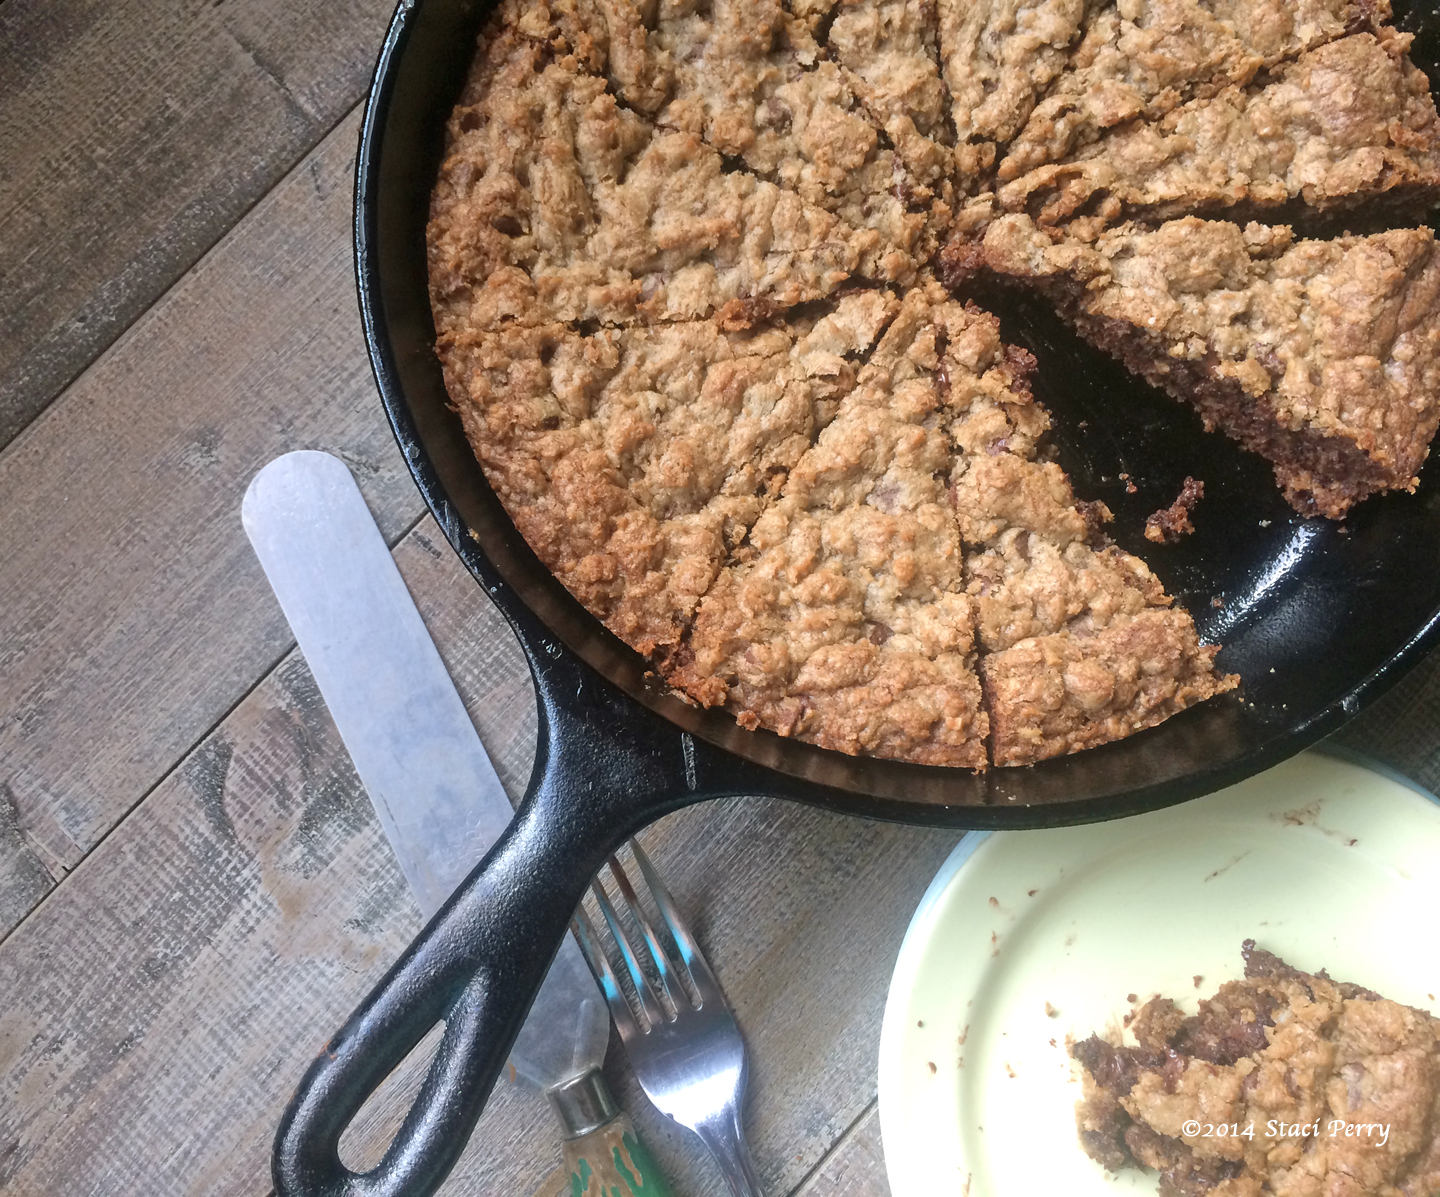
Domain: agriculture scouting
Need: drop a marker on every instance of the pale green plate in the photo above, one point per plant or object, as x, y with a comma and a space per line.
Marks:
1325, 862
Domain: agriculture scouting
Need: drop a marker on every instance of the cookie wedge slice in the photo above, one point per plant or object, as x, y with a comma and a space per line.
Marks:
634, 460
922, 549
1079, 643
1321, 356
750, 80
558, 201
1143, 60
843, 619
1348, 128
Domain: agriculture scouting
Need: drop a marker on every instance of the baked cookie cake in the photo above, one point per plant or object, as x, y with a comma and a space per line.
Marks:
705, 281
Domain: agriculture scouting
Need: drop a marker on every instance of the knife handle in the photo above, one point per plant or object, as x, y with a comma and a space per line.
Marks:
602, 1149
611, 1161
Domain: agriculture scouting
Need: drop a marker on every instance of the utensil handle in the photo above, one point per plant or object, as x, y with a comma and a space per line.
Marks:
613, 1161
476, 968
725, 1138
604, 769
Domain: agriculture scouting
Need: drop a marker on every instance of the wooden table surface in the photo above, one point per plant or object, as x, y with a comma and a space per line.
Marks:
193, 890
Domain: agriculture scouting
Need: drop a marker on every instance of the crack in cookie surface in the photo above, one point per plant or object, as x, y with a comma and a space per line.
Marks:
846, 622
678, 259
1141, 61
556, 203
1347, 123
633, 460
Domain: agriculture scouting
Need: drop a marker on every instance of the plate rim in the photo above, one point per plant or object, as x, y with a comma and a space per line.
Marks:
910, 955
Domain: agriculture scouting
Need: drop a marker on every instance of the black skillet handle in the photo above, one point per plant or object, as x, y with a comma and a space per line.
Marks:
605, 767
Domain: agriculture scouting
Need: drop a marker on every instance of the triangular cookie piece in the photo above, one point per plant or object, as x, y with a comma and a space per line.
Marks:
1143, 59
843, 620
633, 460
1079, 644
1321, 356
750, 79
557, 202
1348, 126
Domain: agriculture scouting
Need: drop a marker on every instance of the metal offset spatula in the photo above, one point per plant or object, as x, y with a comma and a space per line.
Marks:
433, 787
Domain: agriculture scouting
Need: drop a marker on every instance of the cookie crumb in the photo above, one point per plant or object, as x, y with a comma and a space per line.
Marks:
1169, 524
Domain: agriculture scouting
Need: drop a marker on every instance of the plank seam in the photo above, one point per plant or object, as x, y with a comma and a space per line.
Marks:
11, 446
839, 1142
265, 674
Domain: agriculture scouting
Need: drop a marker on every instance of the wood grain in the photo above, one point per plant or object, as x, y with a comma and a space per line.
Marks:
161, 1004
855, 1168
135, 614
1400, 730
134, 136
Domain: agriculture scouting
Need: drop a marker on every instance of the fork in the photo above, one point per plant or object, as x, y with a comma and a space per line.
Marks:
686, 1049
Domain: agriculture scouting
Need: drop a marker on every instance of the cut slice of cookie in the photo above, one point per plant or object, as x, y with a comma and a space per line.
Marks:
844, 620
1321, 356
1080, 644
1284, 1083
557, 202
1348, 126
1141, 60
633, 460
749, 78
922, 523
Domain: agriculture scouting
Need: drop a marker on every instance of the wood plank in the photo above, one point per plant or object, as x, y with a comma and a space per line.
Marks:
162, 1002
134, 614
132, 137
1399, 730
856, 1166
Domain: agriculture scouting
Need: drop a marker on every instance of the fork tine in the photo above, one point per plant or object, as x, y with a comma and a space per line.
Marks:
671, 983
589, 941
649, 1002
707, 988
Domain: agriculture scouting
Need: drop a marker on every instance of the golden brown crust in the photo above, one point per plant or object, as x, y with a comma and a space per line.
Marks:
556, 201
1328, 352
1308, 1086
1349, 120
633, 460
1144, 60
664, 245
844, 620
999, 57
1051, 695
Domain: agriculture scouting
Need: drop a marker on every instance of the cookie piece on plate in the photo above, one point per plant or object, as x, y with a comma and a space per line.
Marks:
1284, 1083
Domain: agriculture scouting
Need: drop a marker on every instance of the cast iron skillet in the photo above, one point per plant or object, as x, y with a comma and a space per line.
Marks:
1317, 618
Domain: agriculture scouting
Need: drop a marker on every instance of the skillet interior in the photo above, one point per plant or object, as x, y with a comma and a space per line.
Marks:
1317, 618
